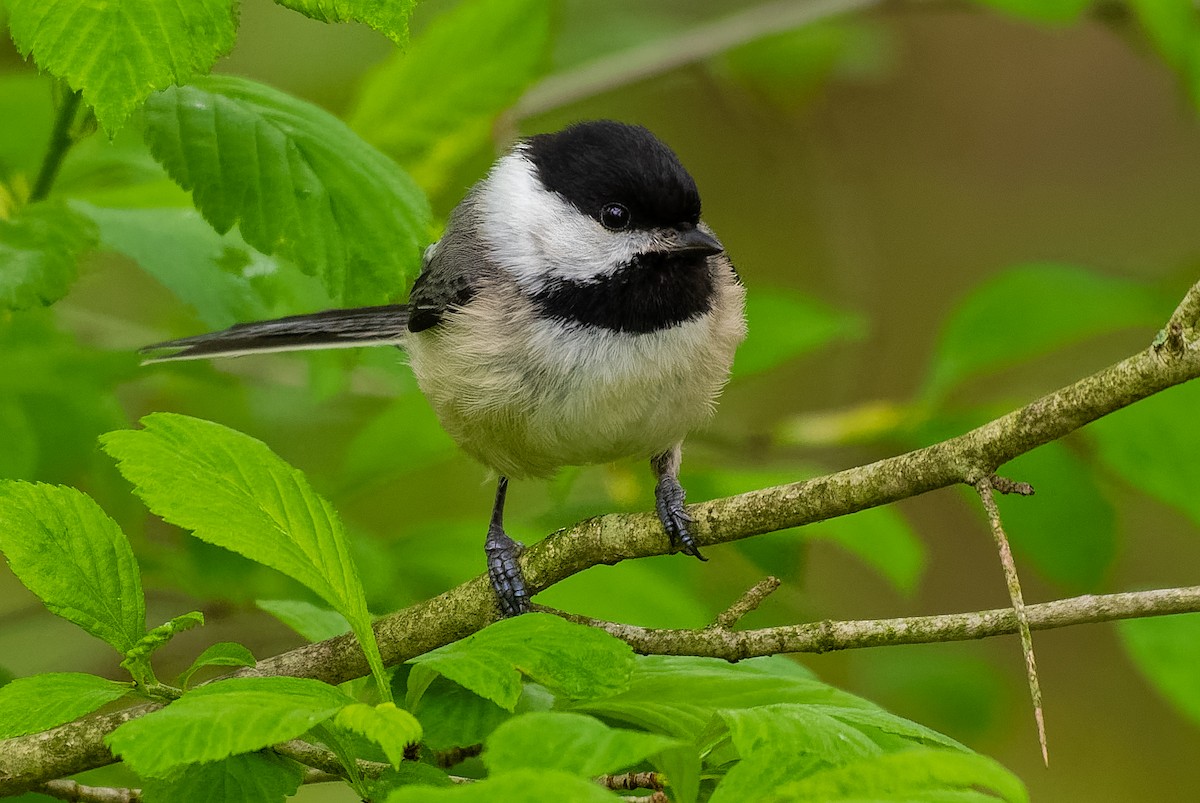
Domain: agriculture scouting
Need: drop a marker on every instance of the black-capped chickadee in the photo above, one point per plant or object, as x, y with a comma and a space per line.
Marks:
575, 311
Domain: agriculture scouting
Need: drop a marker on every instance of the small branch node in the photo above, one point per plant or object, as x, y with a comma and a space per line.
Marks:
746, 603
1004, 485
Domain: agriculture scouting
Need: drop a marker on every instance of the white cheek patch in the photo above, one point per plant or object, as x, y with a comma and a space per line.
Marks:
538, 237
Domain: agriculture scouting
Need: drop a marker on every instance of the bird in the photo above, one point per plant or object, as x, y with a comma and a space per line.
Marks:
575, 311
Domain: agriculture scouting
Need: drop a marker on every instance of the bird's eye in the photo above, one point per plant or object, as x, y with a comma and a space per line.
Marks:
614, 217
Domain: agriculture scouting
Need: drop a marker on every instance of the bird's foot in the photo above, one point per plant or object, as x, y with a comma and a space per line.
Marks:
668, 501
505, 572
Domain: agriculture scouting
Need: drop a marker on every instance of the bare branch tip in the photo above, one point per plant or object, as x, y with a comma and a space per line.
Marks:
747, 602
1004, 485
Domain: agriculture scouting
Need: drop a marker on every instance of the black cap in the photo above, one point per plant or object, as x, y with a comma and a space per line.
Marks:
600, 162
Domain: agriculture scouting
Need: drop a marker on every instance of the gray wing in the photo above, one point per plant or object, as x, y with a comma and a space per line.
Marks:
454, 270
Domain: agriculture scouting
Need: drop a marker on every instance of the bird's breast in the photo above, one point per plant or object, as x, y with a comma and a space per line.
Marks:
526, 393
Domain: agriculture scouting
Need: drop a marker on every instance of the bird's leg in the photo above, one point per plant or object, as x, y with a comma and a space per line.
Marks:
502, 553
668, 501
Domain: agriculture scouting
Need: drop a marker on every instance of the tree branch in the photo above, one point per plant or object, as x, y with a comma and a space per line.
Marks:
29, 760
832, 636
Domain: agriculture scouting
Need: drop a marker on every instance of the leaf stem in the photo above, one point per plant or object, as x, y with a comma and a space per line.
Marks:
61, 141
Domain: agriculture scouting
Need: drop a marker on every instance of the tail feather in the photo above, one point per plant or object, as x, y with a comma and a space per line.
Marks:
332, 329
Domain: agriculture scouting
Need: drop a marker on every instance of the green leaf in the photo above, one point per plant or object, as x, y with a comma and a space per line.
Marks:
906, 776
249, 778
582, 745
784, 325
1054, 11
1153, 445
231, 490
223, 653
1068, 530
25, 97
429, 112
1173, 27
39, 254
573, 660
1166, 650
186, 256
41, 702
226, 718
1032, 310
389, 727
522, 786
295, 180
788, 729
312, 622
451, 716
117, 53
679, 696
389, 17
64, 548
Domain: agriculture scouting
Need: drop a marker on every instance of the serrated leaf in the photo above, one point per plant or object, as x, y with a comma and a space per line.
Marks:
522, 786
39, 254
906, 776
179, 249
573, 660
312, 622
64, 548
451, 716
1032, 310
391, 728
574, 743
249, 778
119, 51
1166, 650
787, 729
783, 325
226, 718
223, 653
1153, 445
505, 42
1068, 530
41, 702
389, 17
295, 180
679, 696
233, 491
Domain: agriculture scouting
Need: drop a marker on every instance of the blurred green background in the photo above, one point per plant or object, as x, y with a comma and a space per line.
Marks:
868, 174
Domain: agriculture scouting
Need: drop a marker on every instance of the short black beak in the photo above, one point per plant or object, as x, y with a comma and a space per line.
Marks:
694, 241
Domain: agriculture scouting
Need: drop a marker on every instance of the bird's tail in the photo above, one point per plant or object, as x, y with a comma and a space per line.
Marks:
332, 329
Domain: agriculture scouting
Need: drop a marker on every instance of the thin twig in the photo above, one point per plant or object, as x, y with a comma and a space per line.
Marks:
75, 792
747, 603
324, 761
696, 44
1013, 582
831, 636
56, 150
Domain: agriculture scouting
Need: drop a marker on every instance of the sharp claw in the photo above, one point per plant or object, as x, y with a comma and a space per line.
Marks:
505, 572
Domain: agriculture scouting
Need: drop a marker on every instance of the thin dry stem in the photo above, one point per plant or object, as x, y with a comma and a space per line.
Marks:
1013, 582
